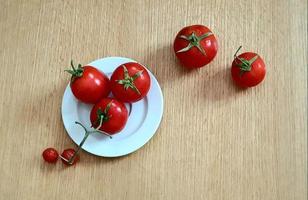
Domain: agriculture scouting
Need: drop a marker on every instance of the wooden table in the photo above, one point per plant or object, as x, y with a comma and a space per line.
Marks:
215, 140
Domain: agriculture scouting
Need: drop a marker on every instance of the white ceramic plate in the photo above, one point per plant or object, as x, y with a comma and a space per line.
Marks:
143, 121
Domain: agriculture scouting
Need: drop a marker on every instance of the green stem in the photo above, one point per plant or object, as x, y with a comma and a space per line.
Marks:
235, 55
245, 65
70, 161
75, 72
72, 65
87, 133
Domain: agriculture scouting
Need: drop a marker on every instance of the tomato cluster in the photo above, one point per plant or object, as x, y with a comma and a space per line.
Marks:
51, 155
129, 83
195, 46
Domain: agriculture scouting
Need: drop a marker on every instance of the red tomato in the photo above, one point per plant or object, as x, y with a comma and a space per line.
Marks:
248, 69
50, 155
195, 46
130, 82
109, 115
88, 84
67, 154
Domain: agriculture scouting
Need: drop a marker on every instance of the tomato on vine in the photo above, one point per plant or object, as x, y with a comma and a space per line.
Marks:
109, 115
68, 157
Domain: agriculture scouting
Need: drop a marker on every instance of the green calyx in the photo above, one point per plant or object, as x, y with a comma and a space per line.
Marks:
245, 65
102, 116
128, 81
75, 72
194, 41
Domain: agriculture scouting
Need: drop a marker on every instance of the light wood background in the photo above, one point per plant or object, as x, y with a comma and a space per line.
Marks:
215, 140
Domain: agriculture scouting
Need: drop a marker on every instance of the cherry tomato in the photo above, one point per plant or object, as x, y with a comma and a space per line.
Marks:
248, 69
88, 84
109, 115
50, 155
195, 46
67, 154
130, 82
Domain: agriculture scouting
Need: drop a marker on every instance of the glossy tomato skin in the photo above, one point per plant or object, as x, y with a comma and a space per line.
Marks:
67, 154
117, 113
50, 155
92, 86
252, 77
143, 83
194, 58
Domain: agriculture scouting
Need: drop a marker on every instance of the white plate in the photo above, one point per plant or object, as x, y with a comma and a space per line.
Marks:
143, 121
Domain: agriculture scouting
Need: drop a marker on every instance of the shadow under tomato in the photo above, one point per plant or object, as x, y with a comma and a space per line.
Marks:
220, 86
164, 65
48, 167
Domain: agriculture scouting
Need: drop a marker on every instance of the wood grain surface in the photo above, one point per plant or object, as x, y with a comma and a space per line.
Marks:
215, 140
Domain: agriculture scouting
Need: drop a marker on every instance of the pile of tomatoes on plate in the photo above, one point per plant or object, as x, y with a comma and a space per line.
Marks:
129, 83
195, 46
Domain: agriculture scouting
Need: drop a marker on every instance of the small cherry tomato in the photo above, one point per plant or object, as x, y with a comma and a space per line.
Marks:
195, 46
50, 155
130, 82
67, 154
248, 69
88, 84
109, 115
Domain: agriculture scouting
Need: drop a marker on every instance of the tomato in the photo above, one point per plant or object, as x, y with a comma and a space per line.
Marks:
248, 69
88, 84
130, 82
109, 115
195, 46
67, 154
50, 155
